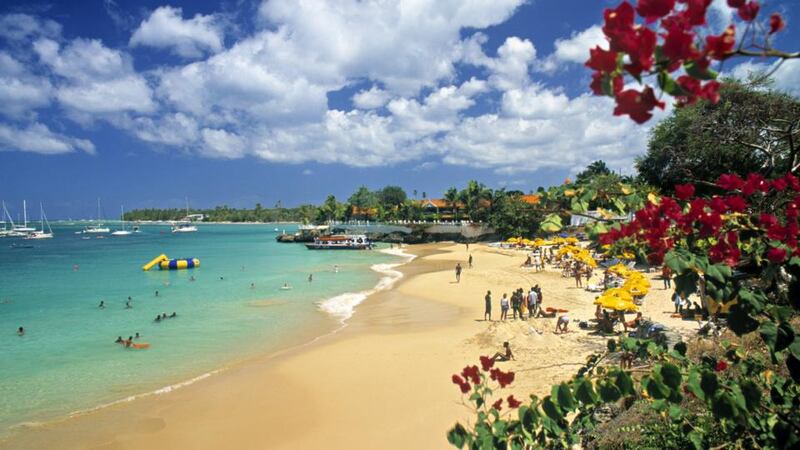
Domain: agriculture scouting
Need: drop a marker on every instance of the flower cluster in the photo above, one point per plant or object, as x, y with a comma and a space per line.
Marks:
637, 49
470, 377
719, 221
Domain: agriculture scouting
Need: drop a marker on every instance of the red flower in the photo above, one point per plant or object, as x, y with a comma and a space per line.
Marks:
755, 182
792, 181
749, 11
461, 384
512, 402
471, 373
779, 184
730, 182
695, 12
718, 47
678, 44
684, 191
776, 255
602, 60
736, 3
486, 363
618, 24
721, 365
710, 91
776, 232
767, 220
637, 104
736, 203
775, 23
498, 405
653, 10
503, 378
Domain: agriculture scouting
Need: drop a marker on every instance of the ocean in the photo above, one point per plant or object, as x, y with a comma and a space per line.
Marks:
232, 309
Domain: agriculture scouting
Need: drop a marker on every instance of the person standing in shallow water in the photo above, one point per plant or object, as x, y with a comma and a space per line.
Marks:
458, 273
487, 314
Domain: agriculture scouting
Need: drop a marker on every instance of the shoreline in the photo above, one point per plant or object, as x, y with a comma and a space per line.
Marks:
396, 354
290, 342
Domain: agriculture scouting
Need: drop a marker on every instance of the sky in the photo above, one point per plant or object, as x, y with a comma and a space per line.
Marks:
146, 103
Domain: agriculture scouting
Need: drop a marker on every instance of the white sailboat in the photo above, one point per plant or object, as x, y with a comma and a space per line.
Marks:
23, 228
41, 234
185, 226
123, 231
97, 228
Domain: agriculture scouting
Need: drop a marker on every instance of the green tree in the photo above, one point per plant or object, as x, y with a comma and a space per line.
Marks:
750, 130
596, 168
513, 217
473, 197
451, 197
391, 199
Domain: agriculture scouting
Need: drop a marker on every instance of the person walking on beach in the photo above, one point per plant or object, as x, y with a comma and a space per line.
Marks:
487, 313
504, 307
666, 275
533, 303
458, 273
470, 261
578, 275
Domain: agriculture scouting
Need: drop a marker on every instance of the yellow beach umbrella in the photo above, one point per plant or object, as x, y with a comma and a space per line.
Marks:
616, 303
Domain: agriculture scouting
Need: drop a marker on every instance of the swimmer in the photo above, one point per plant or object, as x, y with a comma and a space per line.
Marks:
156, 292
286, 286
76, 267
119, 340
128, 342
137, 336
128, 304
166, 284
21, 331
102, 304
173, 315
163, 316
158, 319
220, 278
310, 277
252, 285
335, 269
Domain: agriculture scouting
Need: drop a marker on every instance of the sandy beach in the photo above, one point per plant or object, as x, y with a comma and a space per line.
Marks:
383, 381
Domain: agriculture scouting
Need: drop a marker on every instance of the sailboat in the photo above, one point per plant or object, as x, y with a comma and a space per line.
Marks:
123, 231
24, 229
185, 226
41, 234
98, 227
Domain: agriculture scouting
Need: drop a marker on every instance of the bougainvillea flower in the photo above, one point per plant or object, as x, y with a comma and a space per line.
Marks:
736, 203
602, 60
775, 23
637, 104
684, 191
486, 363
653, 10
749, 11
779, 184
710, 91
776, 255
736, 3
730, 182
461, 384
695, 12
498, 405
721, 365
679, 44
718, 47
755, 182
512, 402
471, 373
503, 378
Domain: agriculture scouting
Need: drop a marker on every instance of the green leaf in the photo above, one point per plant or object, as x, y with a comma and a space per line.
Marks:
769, 333
785, 336
709, 383
565, 399
740, 321
723, 406
694, 385
551, 223
457, 436
608, 392
625, 383
655, 387
579, 205
674, 261
551, 410
681, 348
671, 375
696, 439
676, 412
714, 273
752, 395
584, 392
668, 85
696, 72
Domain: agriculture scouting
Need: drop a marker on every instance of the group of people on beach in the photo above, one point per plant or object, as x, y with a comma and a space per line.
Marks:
521, 303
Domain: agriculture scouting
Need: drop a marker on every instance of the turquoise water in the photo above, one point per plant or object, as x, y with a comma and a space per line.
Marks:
67, 360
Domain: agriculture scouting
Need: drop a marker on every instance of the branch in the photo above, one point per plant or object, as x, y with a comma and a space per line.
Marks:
767, 53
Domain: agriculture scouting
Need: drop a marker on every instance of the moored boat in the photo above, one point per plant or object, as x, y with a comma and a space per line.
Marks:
341, 242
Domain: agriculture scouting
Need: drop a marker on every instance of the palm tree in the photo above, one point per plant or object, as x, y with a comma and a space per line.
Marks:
451, 196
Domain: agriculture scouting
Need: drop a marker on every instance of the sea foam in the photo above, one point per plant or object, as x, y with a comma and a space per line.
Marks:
344, 305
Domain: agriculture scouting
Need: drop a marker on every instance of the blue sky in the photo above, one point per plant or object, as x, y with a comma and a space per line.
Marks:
143, 103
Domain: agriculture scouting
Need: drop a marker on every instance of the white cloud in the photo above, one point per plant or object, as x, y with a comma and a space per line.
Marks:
83, 60
374, 98
191, 38
37, 138
786, 78
510, 68
19, 27
20, 92
130, 93
222, 144
576, 48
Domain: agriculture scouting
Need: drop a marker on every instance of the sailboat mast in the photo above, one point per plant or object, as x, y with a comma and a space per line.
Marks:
24, 213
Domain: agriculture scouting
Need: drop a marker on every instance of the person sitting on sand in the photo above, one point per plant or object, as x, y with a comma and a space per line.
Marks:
527, 262
561, 324
20, 331
598, 312
508, 355
633, 324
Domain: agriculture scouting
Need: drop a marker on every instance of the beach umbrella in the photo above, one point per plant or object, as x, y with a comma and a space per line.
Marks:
620, 293
616, 304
